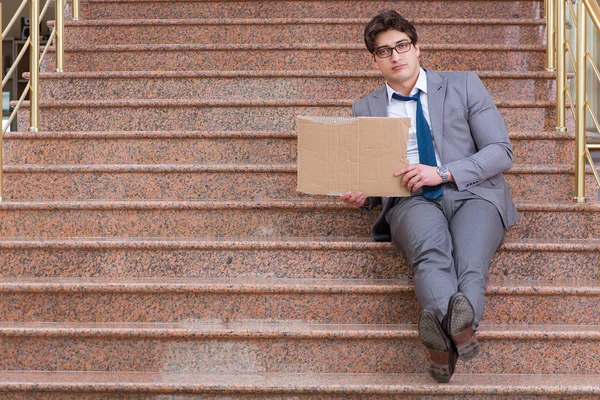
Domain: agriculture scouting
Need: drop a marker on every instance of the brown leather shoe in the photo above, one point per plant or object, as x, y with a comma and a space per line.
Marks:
458, 324
442, 354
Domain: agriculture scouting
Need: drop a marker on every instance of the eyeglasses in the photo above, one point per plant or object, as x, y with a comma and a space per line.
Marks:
386, 52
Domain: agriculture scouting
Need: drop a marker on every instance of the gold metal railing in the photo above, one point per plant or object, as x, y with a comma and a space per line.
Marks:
33, 45
558, 48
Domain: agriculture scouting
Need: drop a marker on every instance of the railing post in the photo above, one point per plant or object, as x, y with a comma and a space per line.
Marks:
34, 67
58, 39
75, 6
580, 103
550, 34
561, 73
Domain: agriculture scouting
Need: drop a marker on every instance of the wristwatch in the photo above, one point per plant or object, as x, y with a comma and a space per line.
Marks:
443, 173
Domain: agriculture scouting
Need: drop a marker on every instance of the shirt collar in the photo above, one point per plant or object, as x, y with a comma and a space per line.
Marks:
420, 85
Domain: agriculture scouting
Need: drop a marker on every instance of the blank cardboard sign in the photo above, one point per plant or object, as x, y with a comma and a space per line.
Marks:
340, 154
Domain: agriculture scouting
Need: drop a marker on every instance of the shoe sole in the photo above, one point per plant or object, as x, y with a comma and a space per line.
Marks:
432, 335
462, 316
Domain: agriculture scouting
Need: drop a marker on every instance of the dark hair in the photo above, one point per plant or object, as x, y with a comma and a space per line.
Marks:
387, 21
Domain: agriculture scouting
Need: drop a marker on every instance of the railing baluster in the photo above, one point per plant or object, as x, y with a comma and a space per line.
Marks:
34, 57
550, 34
58, 39
561, 73
75, 5
580, 82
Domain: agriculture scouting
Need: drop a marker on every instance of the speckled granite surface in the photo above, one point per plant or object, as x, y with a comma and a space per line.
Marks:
285, 285
258, 85
225, 182
190, 115
328, 258
279, 300
309, 9
183, 57
175, 386
286, 348
278, 30
258, 218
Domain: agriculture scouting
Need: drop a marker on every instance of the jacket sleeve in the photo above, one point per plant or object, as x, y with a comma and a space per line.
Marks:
494, 153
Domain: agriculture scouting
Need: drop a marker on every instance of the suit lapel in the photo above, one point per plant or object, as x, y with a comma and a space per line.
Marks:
436, 88
378, 102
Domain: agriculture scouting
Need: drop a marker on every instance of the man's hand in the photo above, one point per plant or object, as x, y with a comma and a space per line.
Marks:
418, 175
355, 200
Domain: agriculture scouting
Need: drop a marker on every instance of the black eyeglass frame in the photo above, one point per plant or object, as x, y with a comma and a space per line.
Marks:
396, 47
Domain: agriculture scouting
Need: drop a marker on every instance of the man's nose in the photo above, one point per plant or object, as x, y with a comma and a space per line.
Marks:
395, 54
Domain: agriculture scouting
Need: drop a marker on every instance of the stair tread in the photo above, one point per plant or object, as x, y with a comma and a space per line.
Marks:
265, 243
333, 203
42, 135
247, 103
267, 74
263, 285
296, 21
198, 328
217, 167
331, 383
292, 46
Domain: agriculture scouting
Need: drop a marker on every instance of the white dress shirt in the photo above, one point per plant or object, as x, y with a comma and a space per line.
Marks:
408, 109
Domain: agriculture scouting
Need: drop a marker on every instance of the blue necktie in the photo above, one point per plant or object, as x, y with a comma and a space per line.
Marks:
425, 143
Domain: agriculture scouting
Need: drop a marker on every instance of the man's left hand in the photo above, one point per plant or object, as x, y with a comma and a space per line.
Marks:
418, 175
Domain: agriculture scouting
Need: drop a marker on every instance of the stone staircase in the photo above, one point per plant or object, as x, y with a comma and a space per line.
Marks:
154, 246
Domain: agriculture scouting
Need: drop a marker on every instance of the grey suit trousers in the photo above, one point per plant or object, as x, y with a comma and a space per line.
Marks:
449, 243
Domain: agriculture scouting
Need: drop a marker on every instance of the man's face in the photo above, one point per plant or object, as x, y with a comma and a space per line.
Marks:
400, 70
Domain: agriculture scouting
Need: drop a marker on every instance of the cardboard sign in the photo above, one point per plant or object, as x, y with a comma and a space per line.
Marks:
340, 154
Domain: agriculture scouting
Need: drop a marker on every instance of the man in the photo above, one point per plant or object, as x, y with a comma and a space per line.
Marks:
454, 221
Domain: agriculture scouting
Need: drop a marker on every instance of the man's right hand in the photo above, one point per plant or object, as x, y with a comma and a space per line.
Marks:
355, 200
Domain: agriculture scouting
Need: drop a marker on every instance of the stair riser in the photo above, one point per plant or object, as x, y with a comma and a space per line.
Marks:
226, 185
543, 152
215, 151
276, 263
309, 9
151, 151
284, 59
549, 187
289, 355
234, 118
294, 33
132, 222
259, 88
322, 308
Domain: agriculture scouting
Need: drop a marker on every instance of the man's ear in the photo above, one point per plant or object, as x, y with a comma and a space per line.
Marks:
417, 50
375, 61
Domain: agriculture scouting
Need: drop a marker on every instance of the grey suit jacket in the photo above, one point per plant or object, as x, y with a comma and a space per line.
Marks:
470, 138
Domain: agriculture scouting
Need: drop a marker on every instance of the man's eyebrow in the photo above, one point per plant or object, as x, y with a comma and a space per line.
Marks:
398, 42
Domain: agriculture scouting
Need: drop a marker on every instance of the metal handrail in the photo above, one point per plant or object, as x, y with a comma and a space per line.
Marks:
557, 49
33, 45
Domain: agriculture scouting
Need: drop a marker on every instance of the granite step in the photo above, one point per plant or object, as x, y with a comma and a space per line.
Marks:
152, 9
299, 30
276, 257
225, 114
282, 56
259, 218
277, 300
228, 182
262, 85
286, 348
232, 147
125, 385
